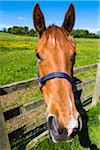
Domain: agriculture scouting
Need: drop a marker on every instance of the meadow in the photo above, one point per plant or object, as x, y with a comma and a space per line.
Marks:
17, 58
18, 62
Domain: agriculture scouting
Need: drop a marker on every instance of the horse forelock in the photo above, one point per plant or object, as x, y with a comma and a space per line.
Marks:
56, 37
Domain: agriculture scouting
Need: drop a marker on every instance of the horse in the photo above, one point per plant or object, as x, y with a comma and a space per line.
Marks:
56, 51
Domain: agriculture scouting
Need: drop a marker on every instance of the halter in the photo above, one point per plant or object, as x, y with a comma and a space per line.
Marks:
53, 75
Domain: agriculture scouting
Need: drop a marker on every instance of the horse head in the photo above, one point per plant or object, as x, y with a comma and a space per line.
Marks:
56, 52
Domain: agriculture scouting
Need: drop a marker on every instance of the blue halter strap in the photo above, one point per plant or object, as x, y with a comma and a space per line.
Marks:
53, 75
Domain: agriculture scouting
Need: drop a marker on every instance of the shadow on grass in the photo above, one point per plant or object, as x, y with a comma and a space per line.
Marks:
83, 134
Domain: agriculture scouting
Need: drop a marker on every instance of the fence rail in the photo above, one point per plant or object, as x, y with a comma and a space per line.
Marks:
27, 135
33, 105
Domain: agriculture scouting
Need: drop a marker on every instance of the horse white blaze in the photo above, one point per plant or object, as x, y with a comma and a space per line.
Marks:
53, 41
73, 123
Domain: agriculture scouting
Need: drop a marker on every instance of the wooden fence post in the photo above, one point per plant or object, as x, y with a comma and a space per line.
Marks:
4, 141
96, 93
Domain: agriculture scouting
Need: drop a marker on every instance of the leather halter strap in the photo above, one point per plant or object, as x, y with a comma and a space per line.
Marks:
53, 75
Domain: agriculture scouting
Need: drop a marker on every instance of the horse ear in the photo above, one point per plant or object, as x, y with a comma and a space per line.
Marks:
69, 18
38, 19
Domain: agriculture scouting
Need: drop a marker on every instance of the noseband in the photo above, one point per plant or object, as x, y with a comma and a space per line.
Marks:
53, 75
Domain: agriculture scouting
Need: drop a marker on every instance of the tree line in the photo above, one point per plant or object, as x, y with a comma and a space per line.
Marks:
78, 33
19, 30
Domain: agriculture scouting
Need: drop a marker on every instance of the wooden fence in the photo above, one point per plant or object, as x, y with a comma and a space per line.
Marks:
21, 136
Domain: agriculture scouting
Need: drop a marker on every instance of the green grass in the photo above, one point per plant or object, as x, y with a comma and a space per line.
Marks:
18, 60
88, 51
46, 143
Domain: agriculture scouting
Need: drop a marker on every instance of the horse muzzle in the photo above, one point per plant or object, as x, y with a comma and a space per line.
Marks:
59, 134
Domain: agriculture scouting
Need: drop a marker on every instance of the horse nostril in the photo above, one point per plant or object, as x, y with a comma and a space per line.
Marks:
50, 119
52, 124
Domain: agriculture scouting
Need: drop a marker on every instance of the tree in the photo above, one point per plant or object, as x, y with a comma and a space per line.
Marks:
25, 30
9, 30
18, 30
78, 33
4, 29
32, 32
15, 30
83, 33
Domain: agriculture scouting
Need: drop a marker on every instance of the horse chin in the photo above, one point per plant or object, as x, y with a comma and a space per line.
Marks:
59, 138
68, 139
52, 137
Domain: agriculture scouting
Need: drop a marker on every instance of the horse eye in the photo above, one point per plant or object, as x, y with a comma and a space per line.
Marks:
38, 55
72, 59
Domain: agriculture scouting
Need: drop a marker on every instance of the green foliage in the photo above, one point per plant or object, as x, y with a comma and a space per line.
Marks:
32, 33
21, 31
18, 30
94, 124
80, 33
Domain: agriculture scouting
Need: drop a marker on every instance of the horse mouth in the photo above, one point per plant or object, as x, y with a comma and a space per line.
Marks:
59, 137
56, 137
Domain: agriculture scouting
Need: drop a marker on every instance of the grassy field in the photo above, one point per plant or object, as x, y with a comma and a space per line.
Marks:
18, 60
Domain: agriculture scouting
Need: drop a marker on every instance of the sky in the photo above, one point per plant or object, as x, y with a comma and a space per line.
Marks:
20, 13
